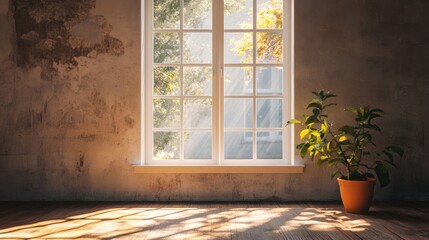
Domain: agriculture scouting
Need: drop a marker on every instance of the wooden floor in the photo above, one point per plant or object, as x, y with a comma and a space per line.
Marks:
210, 221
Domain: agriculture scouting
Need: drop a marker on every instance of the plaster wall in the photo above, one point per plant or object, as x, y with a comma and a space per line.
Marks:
70, 100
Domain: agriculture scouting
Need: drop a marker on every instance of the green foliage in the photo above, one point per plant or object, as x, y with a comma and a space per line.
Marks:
350, 146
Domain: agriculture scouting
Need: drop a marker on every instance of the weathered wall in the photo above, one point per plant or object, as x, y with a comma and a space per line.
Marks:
70, 99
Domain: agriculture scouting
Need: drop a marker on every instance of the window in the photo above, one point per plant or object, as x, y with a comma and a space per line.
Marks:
217, 82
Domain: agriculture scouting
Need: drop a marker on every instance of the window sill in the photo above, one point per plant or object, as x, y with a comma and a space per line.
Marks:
219, 169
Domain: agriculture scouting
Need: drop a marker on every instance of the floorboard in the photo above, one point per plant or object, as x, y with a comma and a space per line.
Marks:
238, 221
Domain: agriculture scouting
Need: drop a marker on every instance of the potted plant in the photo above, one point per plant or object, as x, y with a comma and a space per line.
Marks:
349, 149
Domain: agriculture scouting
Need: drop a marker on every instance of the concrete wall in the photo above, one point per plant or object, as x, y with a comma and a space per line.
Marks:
70, 99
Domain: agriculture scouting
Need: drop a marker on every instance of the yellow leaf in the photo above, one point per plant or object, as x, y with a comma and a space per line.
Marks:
324, 126
315, 133
304, 132
342, 139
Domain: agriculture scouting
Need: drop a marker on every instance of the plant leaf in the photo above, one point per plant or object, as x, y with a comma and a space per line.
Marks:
376, 110
313, 154
395, 149
328, 105
335, 161
293, 121
316, 103
304, 150
318, 94
382, 172
390, 163
353, 110
347, 130
371, 126
329, 95
324, 127
311, 119
345, 142
342, 139
304, 132
335, 173
389, 155
322, 159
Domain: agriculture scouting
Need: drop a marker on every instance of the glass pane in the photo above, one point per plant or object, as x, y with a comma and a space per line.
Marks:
197, 81
238, 14
270, 14
166, 113
269, 145
238, 81
166, 81
269, 81
198, 113
166, 48
269, 47
198, 145
166, 145
166, 14
238, 145
198, 47
238, 113
197, 14
238, 47
269, 113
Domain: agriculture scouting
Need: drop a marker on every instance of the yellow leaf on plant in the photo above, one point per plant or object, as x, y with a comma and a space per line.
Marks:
304, 132
324, 126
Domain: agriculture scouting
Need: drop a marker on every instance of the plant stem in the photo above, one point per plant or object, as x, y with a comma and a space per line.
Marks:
341, 149
342, 153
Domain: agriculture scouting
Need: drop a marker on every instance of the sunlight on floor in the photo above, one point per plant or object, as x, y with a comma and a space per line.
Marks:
212, 222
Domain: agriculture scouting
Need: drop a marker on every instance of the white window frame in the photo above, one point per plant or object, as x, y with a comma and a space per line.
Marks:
217, 110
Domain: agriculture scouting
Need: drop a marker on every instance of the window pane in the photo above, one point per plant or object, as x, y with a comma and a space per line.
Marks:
238, 14
238, 47
166, 113
238, 113
198, 145
269, 47
166, 48
269, 145
198, 47
166, 145
269, 113
269, 81
238, 145
238, 81
166, 81
197, 14
270, 14
198, 113
197, 81
166, 14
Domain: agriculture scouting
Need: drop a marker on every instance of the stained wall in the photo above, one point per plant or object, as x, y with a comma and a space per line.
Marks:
70, 100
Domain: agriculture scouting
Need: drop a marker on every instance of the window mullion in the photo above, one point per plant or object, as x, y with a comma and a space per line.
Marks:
182, 123
254, 148
148, 144
217, 102
288, 62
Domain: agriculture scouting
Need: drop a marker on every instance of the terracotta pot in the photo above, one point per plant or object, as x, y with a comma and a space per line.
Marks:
356, 195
